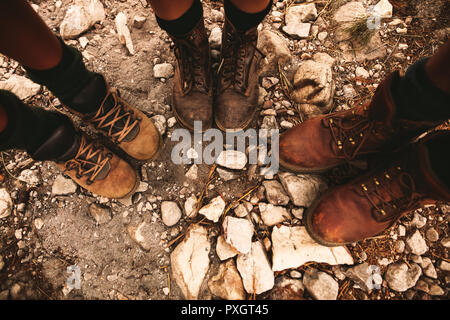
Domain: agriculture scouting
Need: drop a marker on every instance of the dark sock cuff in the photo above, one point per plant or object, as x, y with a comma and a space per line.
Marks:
28, 127
417, 98
244, 21
439, 160
66, 79
185, 23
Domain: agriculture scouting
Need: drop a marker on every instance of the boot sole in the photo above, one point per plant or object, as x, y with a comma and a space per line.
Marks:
298, 169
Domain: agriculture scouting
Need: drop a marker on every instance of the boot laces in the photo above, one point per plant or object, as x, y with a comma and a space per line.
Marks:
234, 53
89, 160
191, 68
116, 122
386, 199
349, 134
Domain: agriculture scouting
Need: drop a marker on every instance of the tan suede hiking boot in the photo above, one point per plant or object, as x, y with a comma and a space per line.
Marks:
370, 204
237, 89
192, 95
326, 141
90, 165
126, 126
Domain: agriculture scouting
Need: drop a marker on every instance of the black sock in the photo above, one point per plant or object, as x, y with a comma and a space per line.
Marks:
439, 159
185, 23
29, 127
70, 81
244, 21
417, 98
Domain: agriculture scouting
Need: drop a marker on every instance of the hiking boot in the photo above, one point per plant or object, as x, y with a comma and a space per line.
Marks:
192, 85
92, 166
370, 204
125, 126
237, 88
326, 141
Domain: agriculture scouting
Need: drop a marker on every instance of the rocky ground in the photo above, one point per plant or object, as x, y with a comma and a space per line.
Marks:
226, 231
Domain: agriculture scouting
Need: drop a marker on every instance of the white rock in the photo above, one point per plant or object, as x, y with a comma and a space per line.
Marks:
416, 244
160, 123
63, 186
322, 35
190, 261
238, 233
29, 176
232, 159
255, 270
273, 215
298, 213
400, 278
243, 209
314, 84
192, 173
163, 70
275, 193
215, 38
383, 9
123, 32
22, 87
321, 285
298, 29
349, 12
292, 247
138, 21
286, 124
227, 283
5, 203
83, 41
224, 250
361, 72
170, 213
213, 210
38, 223
301, 12
227, 175
276, 51
80, 16
349, 91
302, 189
190, 206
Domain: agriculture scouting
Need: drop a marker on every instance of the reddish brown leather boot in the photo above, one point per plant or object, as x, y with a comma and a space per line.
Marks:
237, 88
372, 203
324, 142
192, 96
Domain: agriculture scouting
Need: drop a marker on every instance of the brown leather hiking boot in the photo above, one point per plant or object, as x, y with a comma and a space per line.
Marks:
192, 85
92, 166
324, 142
372, 203
237, 88
125, 125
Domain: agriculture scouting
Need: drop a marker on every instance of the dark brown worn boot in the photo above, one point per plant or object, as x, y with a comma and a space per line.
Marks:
125, 125
372, 203
237, 88
192, 86
324, 142
90, 165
